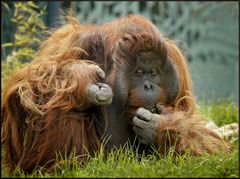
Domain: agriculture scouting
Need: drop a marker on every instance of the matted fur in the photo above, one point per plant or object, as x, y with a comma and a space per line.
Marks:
46, 110
184, 129
37, 107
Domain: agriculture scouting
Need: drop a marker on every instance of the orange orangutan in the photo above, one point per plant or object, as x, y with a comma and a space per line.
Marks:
152, 95
54, 106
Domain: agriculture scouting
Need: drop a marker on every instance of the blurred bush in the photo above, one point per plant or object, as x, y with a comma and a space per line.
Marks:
29, 29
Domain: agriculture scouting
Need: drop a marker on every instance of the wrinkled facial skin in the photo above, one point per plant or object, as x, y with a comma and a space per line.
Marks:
145, 79
152, 80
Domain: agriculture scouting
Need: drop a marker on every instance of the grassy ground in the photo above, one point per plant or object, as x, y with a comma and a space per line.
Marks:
125, 163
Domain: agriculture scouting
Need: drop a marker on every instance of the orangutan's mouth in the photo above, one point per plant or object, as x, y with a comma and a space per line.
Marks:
155, 109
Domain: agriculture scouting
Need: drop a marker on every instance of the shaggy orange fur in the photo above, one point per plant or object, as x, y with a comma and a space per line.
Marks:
46, 111
45, 104
183, 128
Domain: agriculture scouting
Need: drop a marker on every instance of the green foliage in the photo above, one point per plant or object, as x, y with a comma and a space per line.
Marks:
126, 163
29, 29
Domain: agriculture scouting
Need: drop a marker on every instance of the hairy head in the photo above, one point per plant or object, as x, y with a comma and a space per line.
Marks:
146, 69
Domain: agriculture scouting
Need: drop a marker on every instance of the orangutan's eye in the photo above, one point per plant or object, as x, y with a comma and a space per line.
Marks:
154, 72
139, 72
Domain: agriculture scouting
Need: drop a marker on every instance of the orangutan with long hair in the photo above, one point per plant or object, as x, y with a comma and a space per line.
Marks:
52, 104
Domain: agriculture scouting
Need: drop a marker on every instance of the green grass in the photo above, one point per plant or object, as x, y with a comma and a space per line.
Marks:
125, 163
222, 112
